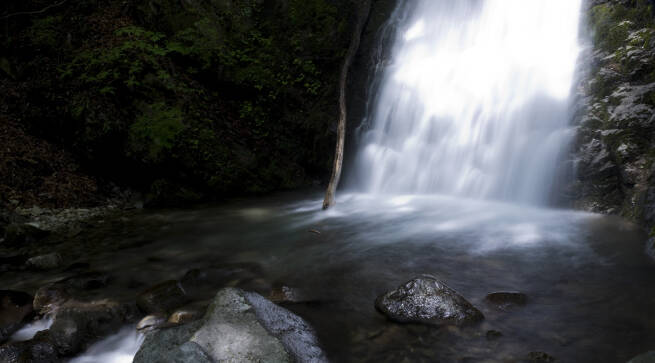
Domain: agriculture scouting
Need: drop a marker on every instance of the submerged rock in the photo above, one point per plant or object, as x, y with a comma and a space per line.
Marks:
163, 297
427, 300
201, 283
289, 295
15, 309
45, 262
506, 299
648, 357
238, 326
21, 234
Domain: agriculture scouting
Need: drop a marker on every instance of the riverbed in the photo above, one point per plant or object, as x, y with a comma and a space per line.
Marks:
590, 286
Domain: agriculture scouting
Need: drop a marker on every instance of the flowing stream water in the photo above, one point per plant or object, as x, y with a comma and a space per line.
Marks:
459, 157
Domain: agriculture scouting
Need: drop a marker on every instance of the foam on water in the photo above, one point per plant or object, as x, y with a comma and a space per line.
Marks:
28, 331
118, 348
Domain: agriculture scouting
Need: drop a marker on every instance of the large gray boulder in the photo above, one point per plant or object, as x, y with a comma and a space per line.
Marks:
429, 301
238, 326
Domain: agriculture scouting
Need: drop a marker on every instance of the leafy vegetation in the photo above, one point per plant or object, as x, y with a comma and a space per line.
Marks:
231, 96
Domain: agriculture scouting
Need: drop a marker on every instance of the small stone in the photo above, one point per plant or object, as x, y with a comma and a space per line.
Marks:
429, 301
506, 300
45, 262
151, 322
162, 298
183, 316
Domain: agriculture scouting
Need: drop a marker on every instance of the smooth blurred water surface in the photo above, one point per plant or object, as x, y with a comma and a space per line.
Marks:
590, 287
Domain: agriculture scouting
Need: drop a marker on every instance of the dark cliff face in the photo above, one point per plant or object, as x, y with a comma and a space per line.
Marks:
615, 149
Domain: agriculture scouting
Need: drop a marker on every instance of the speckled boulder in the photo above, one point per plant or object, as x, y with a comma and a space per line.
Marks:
429, 301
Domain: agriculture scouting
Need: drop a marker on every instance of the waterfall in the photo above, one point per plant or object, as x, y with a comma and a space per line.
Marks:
473, 100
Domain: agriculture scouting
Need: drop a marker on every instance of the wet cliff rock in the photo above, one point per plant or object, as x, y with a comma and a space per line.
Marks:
615, 149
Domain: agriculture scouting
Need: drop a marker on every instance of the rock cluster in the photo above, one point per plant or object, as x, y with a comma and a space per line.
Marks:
238, 326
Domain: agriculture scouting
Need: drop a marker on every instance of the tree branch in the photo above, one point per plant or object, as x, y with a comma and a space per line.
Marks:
362, 15
33, 12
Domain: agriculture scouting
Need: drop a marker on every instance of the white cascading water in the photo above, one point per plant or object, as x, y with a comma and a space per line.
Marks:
474, 100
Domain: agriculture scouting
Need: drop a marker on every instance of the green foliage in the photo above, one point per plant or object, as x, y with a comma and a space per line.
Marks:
233, 95
155, 130
137, 64
613, 22
45, 32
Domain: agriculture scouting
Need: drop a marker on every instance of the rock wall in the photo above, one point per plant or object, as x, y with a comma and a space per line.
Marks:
615, 148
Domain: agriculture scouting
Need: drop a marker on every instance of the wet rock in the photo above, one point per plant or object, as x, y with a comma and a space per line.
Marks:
15, 310
429, 301
45, 262
540, 357
48, 298
23, 234
162, 298
78, 324
77, 266
506, 300
151, 322
187, 314
238, 326
648, 357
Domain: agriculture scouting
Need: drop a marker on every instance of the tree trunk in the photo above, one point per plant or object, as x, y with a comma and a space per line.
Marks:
363, 10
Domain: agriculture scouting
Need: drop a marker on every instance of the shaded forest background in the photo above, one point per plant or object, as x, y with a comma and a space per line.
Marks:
180, 99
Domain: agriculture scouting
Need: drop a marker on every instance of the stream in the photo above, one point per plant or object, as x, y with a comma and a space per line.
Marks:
590, 286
